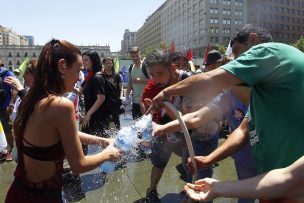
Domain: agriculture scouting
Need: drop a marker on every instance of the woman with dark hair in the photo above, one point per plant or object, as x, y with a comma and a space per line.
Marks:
113, 90
95, 121
46, 132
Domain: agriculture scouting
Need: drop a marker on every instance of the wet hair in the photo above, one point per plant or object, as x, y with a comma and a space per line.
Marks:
157, 57
47, 80
243, 35
108, 58
95, 60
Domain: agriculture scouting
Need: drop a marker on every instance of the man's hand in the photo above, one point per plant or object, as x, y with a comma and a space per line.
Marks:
202, 162
202, 190
157, 102
157, 130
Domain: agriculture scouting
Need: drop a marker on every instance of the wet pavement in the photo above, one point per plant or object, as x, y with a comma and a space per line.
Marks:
130, 182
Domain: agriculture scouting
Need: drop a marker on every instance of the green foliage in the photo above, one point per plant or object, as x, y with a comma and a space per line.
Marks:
221, 48
148, 51
299, 44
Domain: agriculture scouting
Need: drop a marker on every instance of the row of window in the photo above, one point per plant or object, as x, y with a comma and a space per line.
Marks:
269, 17
225, 12
227, 2
280, 9
289, 2
225, 21
18, 54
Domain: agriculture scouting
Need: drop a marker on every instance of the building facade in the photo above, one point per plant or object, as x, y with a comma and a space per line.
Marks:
193, 24
196, 23
283, 18
9, 37
149, 35
12, 55
129, 39
30, 39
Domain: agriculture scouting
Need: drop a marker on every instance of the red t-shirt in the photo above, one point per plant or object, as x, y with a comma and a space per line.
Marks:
150, 91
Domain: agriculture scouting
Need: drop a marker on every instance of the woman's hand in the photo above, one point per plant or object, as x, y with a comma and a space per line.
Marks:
86, 121
14, 83
111, 141
202, 190
112, 153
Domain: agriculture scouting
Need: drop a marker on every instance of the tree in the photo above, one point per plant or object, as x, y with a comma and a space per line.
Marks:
299, 44
221, 48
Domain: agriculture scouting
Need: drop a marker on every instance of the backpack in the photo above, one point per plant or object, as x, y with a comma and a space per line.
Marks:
3, 93
143, 68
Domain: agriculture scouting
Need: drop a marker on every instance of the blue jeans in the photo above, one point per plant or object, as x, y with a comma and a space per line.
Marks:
201, 148
245, 166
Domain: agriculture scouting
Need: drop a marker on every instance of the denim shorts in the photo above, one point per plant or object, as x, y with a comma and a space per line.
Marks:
162, 150
201, 148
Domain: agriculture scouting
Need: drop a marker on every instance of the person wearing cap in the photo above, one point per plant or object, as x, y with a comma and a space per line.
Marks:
214, 60
137, 81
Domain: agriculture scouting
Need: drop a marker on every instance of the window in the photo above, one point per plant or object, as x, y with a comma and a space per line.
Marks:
238, 22
9, 63
18, 54
34, 54
213, 20
226, 11
238, 13
18, 63
238, 3
226, 2
214, 10
226, 21
226, 31
213, 1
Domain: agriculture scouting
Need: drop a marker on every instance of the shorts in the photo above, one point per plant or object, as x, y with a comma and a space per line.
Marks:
201, 148
162, 150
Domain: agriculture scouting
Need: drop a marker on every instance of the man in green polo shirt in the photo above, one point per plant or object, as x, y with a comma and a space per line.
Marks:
275, 123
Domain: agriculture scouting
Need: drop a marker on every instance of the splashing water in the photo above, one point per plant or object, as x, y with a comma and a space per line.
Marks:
128, 138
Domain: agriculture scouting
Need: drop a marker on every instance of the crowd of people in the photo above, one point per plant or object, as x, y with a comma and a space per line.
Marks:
259, 93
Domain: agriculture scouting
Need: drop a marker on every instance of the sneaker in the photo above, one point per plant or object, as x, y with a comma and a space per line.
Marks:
152, 196
9, 156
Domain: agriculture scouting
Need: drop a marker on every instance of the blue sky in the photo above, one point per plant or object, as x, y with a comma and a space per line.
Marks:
80, 22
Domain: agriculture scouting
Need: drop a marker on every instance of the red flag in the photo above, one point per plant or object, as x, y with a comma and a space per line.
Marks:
189, 55
172, 48
206, 54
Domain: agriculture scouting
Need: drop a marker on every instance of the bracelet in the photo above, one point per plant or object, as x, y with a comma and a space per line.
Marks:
21, 93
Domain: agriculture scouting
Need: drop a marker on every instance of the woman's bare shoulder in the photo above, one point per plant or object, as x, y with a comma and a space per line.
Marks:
56, 104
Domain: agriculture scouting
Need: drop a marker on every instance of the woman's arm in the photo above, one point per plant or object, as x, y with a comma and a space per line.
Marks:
99, 101
66, 127
94, 140
121, 89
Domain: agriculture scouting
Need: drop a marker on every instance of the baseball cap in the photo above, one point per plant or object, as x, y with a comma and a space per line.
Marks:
213, 56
